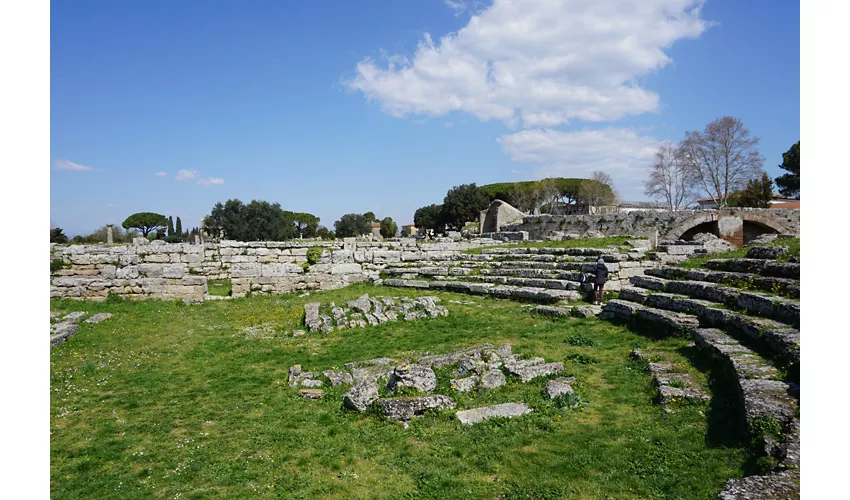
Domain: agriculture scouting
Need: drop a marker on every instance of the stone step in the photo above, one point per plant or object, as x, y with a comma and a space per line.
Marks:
769, 306
784, 286
778, 338
632, 311
784, 485
556, 284
535, 294
575, 311
769, 253
548, 251
758, 266
505, 410
763, 397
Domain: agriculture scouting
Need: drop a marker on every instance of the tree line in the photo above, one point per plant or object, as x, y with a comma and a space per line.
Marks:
463, 203
147, 224
723, 163
263, 221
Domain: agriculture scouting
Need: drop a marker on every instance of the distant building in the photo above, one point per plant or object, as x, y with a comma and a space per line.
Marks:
778, 201
411, 229
641, 206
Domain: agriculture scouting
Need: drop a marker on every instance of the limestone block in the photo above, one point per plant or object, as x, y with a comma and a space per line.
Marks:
345, 268
193, 258
341, 256
158, 258
80, 258
108, 271
245, 270
508, 410
299, 251
279, 269
386, 256
243, 258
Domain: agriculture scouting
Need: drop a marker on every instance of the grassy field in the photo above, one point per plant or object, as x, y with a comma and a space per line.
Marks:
166, 400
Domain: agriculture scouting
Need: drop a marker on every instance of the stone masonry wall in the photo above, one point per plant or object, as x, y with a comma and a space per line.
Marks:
636, 222
181, 270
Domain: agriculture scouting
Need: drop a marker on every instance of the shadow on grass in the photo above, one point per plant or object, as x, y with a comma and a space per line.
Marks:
725, 414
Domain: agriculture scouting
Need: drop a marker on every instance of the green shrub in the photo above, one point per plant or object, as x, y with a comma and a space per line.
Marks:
314, 254
57, 264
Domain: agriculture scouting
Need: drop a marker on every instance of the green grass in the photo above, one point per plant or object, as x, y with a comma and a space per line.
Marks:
611, 241
172, 400
219, 287
793, 245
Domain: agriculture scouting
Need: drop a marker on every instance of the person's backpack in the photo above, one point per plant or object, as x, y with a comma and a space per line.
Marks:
601, 271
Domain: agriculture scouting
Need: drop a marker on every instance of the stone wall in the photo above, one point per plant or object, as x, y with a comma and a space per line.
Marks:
181, 270
670, 225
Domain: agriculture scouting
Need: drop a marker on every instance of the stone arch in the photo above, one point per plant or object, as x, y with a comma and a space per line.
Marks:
757, 223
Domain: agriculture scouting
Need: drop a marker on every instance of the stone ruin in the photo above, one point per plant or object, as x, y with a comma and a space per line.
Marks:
365, 310
61, 328
477, 368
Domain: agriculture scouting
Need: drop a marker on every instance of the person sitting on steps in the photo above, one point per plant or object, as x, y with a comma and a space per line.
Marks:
599, 283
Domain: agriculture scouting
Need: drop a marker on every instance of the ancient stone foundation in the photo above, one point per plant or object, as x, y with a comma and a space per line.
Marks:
180, 270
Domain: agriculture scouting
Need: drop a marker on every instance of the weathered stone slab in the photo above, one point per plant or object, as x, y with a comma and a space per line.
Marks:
311, 393
464, 384
97, 318
361, 396
780, 486
528, 373
406, 283
505, 410
771, 253
338, 378
559, 387
407, 408
311, 316
418, 377
668, 394
74, 317
492, 379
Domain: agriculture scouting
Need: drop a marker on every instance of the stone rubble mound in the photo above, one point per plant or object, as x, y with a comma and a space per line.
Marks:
366, 310
411, 383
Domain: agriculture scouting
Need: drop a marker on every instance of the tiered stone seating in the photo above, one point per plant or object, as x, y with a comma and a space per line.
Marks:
544, 275
754, 333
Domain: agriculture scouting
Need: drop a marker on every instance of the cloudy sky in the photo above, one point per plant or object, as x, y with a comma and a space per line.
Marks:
333, 107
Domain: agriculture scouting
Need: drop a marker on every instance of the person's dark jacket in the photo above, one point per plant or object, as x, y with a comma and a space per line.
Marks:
601, 272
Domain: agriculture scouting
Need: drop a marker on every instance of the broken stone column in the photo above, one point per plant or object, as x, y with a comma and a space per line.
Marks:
349, 244
109, 234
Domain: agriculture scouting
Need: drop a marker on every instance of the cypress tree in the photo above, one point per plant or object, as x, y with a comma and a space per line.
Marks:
179, 227
170, 226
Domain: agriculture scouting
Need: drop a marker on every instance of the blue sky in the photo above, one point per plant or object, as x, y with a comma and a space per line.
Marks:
332, 107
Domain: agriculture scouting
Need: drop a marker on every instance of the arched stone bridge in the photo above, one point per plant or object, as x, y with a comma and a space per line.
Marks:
738, 226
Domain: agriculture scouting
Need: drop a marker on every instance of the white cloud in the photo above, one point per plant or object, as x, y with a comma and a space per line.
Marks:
69, 165
448, 124
541, 62
211, 181
185, 174
161, 174
622, 153
456, 5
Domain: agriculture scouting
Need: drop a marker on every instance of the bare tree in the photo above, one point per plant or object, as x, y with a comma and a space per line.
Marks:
546, 193
598, 191
668, 180
721, 159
